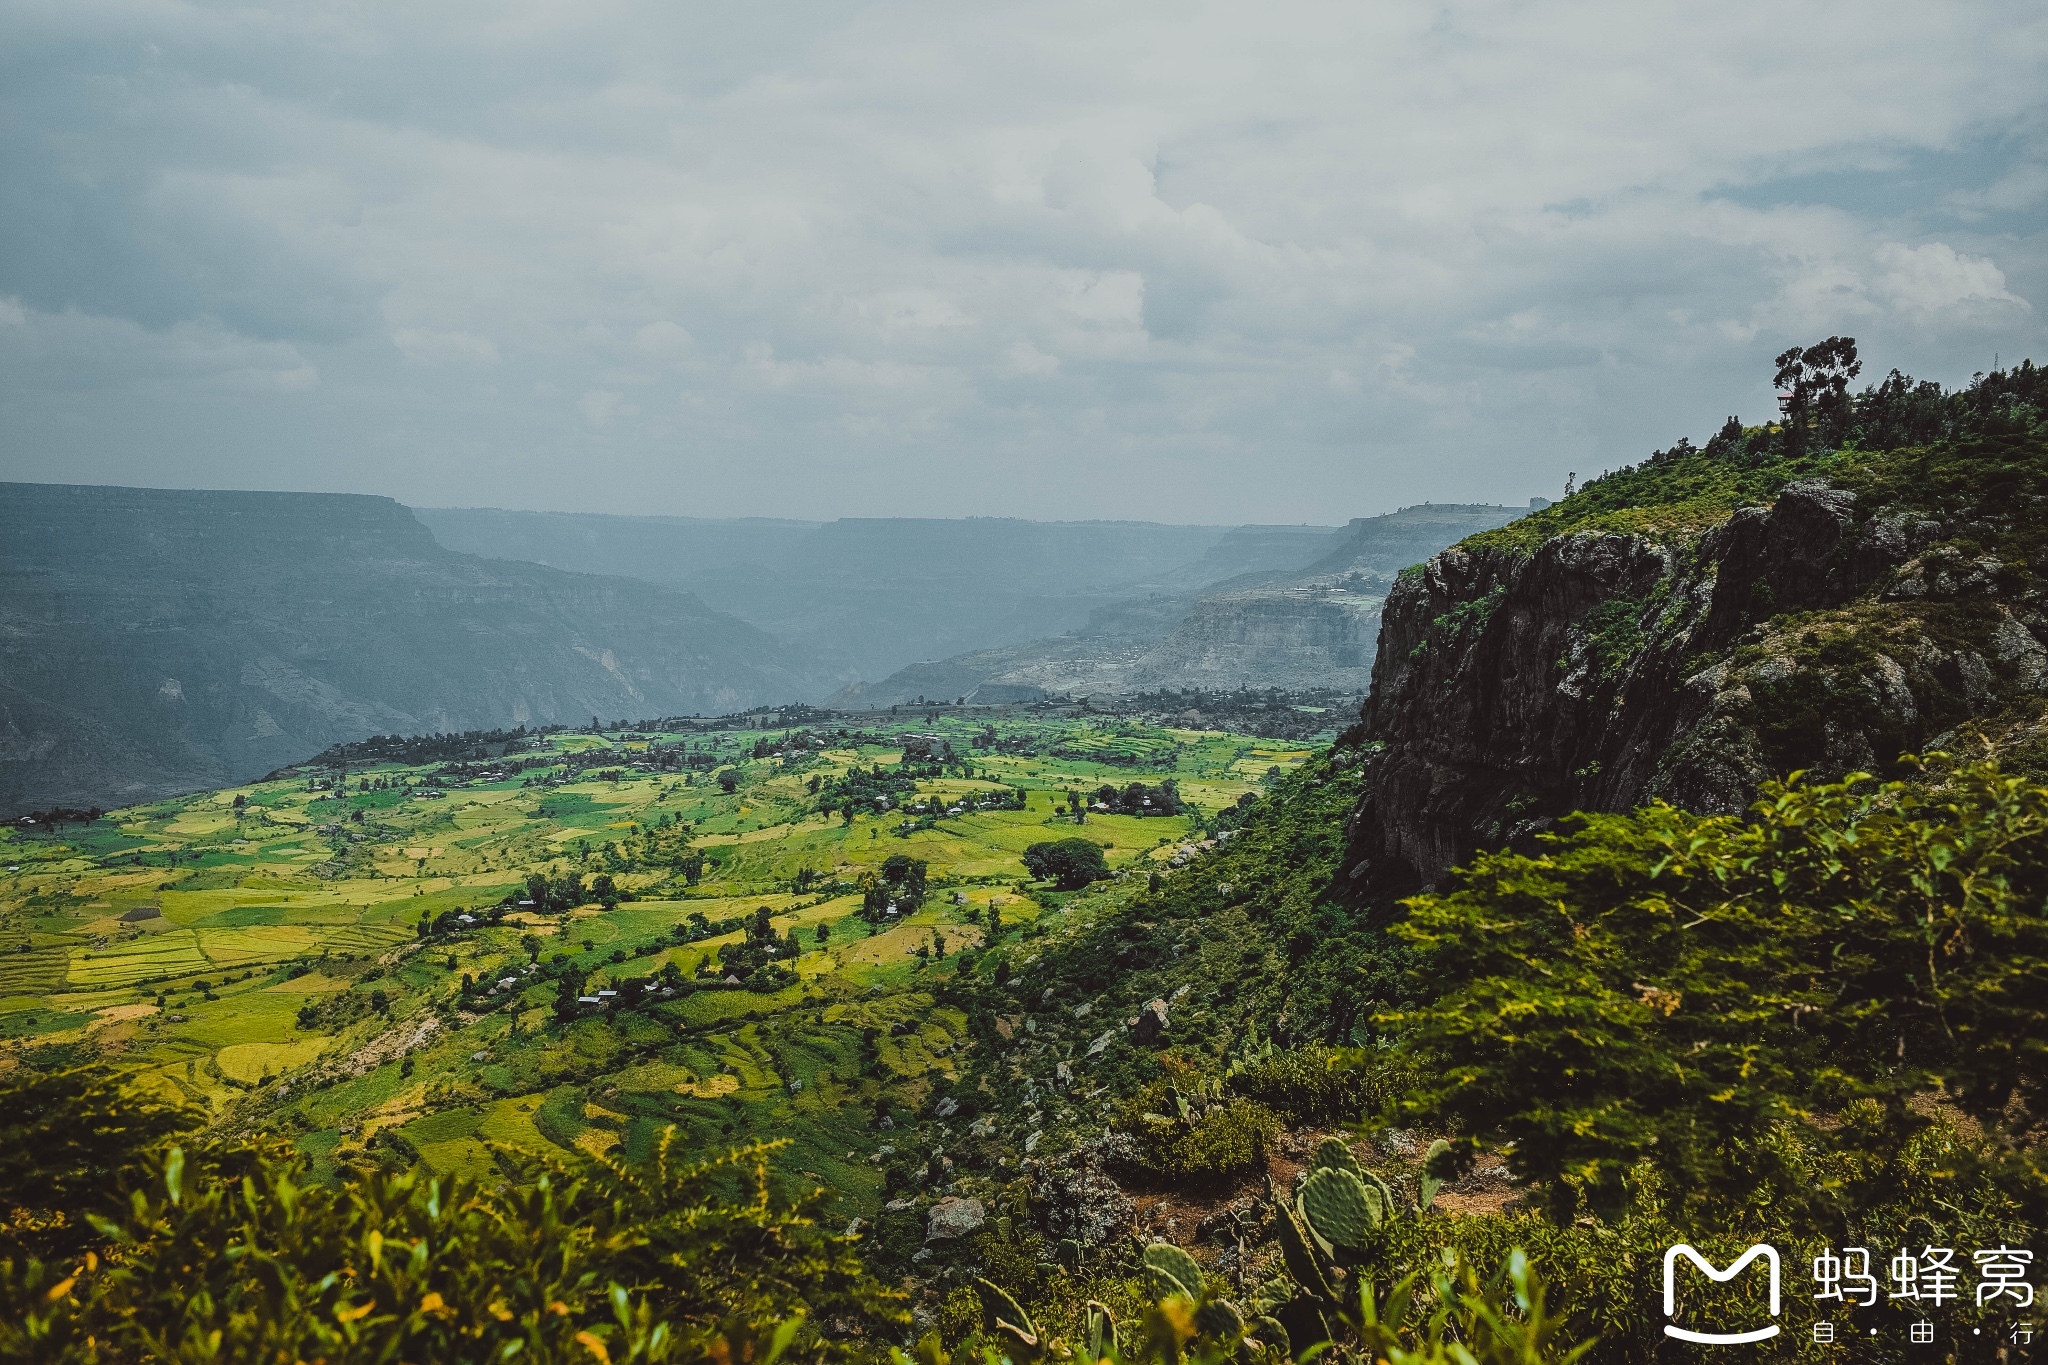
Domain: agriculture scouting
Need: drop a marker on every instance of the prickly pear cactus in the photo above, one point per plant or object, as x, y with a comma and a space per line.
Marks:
1272, 1336
1102, 1336
1170, 1271
1340, 1208
1006, 1322
1300, 1257
1388, 1203
1332, 1154
1429, 1184
1219, 1320
1070, 1256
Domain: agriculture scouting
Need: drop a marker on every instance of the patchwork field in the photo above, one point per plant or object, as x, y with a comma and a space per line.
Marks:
402, 962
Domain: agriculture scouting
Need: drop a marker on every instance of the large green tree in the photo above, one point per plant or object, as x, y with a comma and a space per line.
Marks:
1069, 864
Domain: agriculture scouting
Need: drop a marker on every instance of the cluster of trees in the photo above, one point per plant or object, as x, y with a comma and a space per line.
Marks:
58, 816
796, 742
413, 750
1818, 411
451, 921
758, 959
1132, 799
664, 846
558, 895
1069, 864
873, 788
898, 884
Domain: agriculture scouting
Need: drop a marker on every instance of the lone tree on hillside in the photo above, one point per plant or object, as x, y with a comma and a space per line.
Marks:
1069, 864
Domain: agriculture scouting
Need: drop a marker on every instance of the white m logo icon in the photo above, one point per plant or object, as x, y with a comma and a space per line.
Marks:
1769, 1253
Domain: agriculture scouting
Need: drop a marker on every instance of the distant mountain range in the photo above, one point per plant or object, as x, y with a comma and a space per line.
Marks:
871, 595
155, 641
1315, 626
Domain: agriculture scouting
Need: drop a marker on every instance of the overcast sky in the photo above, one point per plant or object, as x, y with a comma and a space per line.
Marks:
1256, 262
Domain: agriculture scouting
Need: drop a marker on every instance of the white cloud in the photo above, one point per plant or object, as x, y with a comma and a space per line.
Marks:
83, 354
1028, 359
1934, 279
1298, 261
599, 406
424, 346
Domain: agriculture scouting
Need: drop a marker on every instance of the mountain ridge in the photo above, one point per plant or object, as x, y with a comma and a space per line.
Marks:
155, 641
1314, 626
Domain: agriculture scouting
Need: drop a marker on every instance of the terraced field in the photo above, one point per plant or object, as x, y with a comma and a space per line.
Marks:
290, 954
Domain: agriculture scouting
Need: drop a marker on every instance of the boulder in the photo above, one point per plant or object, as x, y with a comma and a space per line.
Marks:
1151, 1024
952, 1218
1077, 1198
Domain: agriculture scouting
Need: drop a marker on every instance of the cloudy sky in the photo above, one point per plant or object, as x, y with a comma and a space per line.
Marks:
1270, 262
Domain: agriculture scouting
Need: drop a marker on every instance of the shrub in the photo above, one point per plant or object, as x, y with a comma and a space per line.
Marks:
1207, 1143
1318, 1086
1681, 990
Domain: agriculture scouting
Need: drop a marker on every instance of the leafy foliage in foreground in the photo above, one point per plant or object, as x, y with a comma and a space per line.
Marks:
232, 1252
1707, 995
1447, 1317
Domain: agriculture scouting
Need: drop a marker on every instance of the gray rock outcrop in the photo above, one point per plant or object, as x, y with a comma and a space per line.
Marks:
1594, 671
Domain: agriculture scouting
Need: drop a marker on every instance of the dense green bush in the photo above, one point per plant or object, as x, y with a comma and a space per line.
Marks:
1318, 1086
1681, 991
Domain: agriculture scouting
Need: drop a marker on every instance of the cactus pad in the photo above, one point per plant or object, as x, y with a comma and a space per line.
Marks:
1002, 1317
1429, 1184
1102, 1338
1219, 1320
1342, 1209
1170, 1271
1272, 1336
1301, 1257
1332, 1154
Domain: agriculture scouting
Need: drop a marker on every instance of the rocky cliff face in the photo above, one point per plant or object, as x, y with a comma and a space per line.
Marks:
1688, 657
154, 641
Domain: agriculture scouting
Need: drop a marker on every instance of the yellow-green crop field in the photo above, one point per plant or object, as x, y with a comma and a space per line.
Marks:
285, 954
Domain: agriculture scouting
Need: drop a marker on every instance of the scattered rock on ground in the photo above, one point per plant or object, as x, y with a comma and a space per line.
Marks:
953, 1217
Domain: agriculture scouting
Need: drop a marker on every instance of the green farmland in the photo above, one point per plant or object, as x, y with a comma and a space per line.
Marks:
291, 954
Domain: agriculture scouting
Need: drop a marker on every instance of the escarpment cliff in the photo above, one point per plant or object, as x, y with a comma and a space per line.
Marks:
1704, 623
